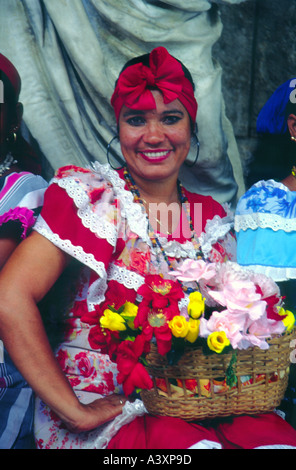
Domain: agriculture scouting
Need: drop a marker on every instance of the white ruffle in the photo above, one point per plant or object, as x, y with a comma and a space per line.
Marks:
263, 220
76, 252
278, 274
93, 220
100, 439
129, 279
130, 210
175, 249
215, 229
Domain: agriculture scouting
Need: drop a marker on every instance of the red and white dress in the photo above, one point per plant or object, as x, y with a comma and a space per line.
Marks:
91, 215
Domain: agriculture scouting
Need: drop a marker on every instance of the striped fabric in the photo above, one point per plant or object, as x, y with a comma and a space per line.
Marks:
21, 199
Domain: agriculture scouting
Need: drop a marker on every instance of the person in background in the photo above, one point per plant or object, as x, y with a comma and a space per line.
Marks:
265, 218
21, 197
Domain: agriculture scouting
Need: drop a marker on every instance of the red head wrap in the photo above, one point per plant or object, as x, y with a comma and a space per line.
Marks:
11, 73
164, 73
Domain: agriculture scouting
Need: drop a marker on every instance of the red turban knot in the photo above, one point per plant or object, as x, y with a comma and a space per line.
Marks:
133, 87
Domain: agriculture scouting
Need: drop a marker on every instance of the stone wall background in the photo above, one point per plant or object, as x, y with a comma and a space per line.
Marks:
257, 52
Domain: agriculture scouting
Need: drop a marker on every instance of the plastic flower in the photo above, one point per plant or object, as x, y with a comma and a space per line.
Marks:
194, 270
217, 341
179, 326
241, 297
196, 306
158, 307
193, 330
129, 313
232, 325
103, 340
159, 293
132, 374
289, 320
112, 321
117, 295
157, 325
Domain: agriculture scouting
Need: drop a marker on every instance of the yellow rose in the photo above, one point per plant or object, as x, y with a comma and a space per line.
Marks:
129, 313
112, 321
217, 341
179, 326
289, 320
196, 306
193, 330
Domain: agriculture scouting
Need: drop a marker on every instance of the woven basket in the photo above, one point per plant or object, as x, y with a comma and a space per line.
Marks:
262, 378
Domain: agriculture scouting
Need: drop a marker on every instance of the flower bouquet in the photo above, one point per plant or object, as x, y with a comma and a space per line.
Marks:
221, 350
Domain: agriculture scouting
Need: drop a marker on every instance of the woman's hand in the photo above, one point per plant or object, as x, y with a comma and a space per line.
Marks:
96, 413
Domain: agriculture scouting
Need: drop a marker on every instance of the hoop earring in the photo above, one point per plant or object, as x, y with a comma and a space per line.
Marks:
107, 154
12, 138
190, 165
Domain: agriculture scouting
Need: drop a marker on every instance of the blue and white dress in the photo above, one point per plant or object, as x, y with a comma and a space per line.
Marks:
265, 224
21, 199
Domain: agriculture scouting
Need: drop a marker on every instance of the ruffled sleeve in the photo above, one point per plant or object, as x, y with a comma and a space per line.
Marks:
81, 216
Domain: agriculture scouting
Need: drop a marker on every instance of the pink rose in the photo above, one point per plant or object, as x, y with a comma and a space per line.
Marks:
194, 270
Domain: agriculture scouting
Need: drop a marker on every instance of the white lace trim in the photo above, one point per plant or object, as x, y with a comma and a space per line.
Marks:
129, 279
100, 439
263, 220
66, 245
131, 210
96, 293
215, 229
278, 274
175, 249
92, 220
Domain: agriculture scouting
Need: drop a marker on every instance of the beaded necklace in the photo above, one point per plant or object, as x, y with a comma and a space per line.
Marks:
152, 235
7, 163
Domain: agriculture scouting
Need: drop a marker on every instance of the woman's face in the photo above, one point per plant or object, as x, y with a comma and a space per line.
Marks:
155, 142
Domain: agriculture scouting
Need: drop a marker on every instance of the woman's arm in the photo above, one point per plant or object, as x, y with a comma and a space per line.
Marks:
27, 276
7, 246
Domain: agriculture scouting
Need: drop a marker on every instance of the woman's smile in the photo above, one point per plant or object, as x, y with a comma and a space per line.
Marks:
154, 156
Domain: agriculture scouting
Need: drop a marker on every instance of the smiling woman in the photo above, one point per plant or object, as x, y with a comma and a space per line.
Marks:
101, 218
